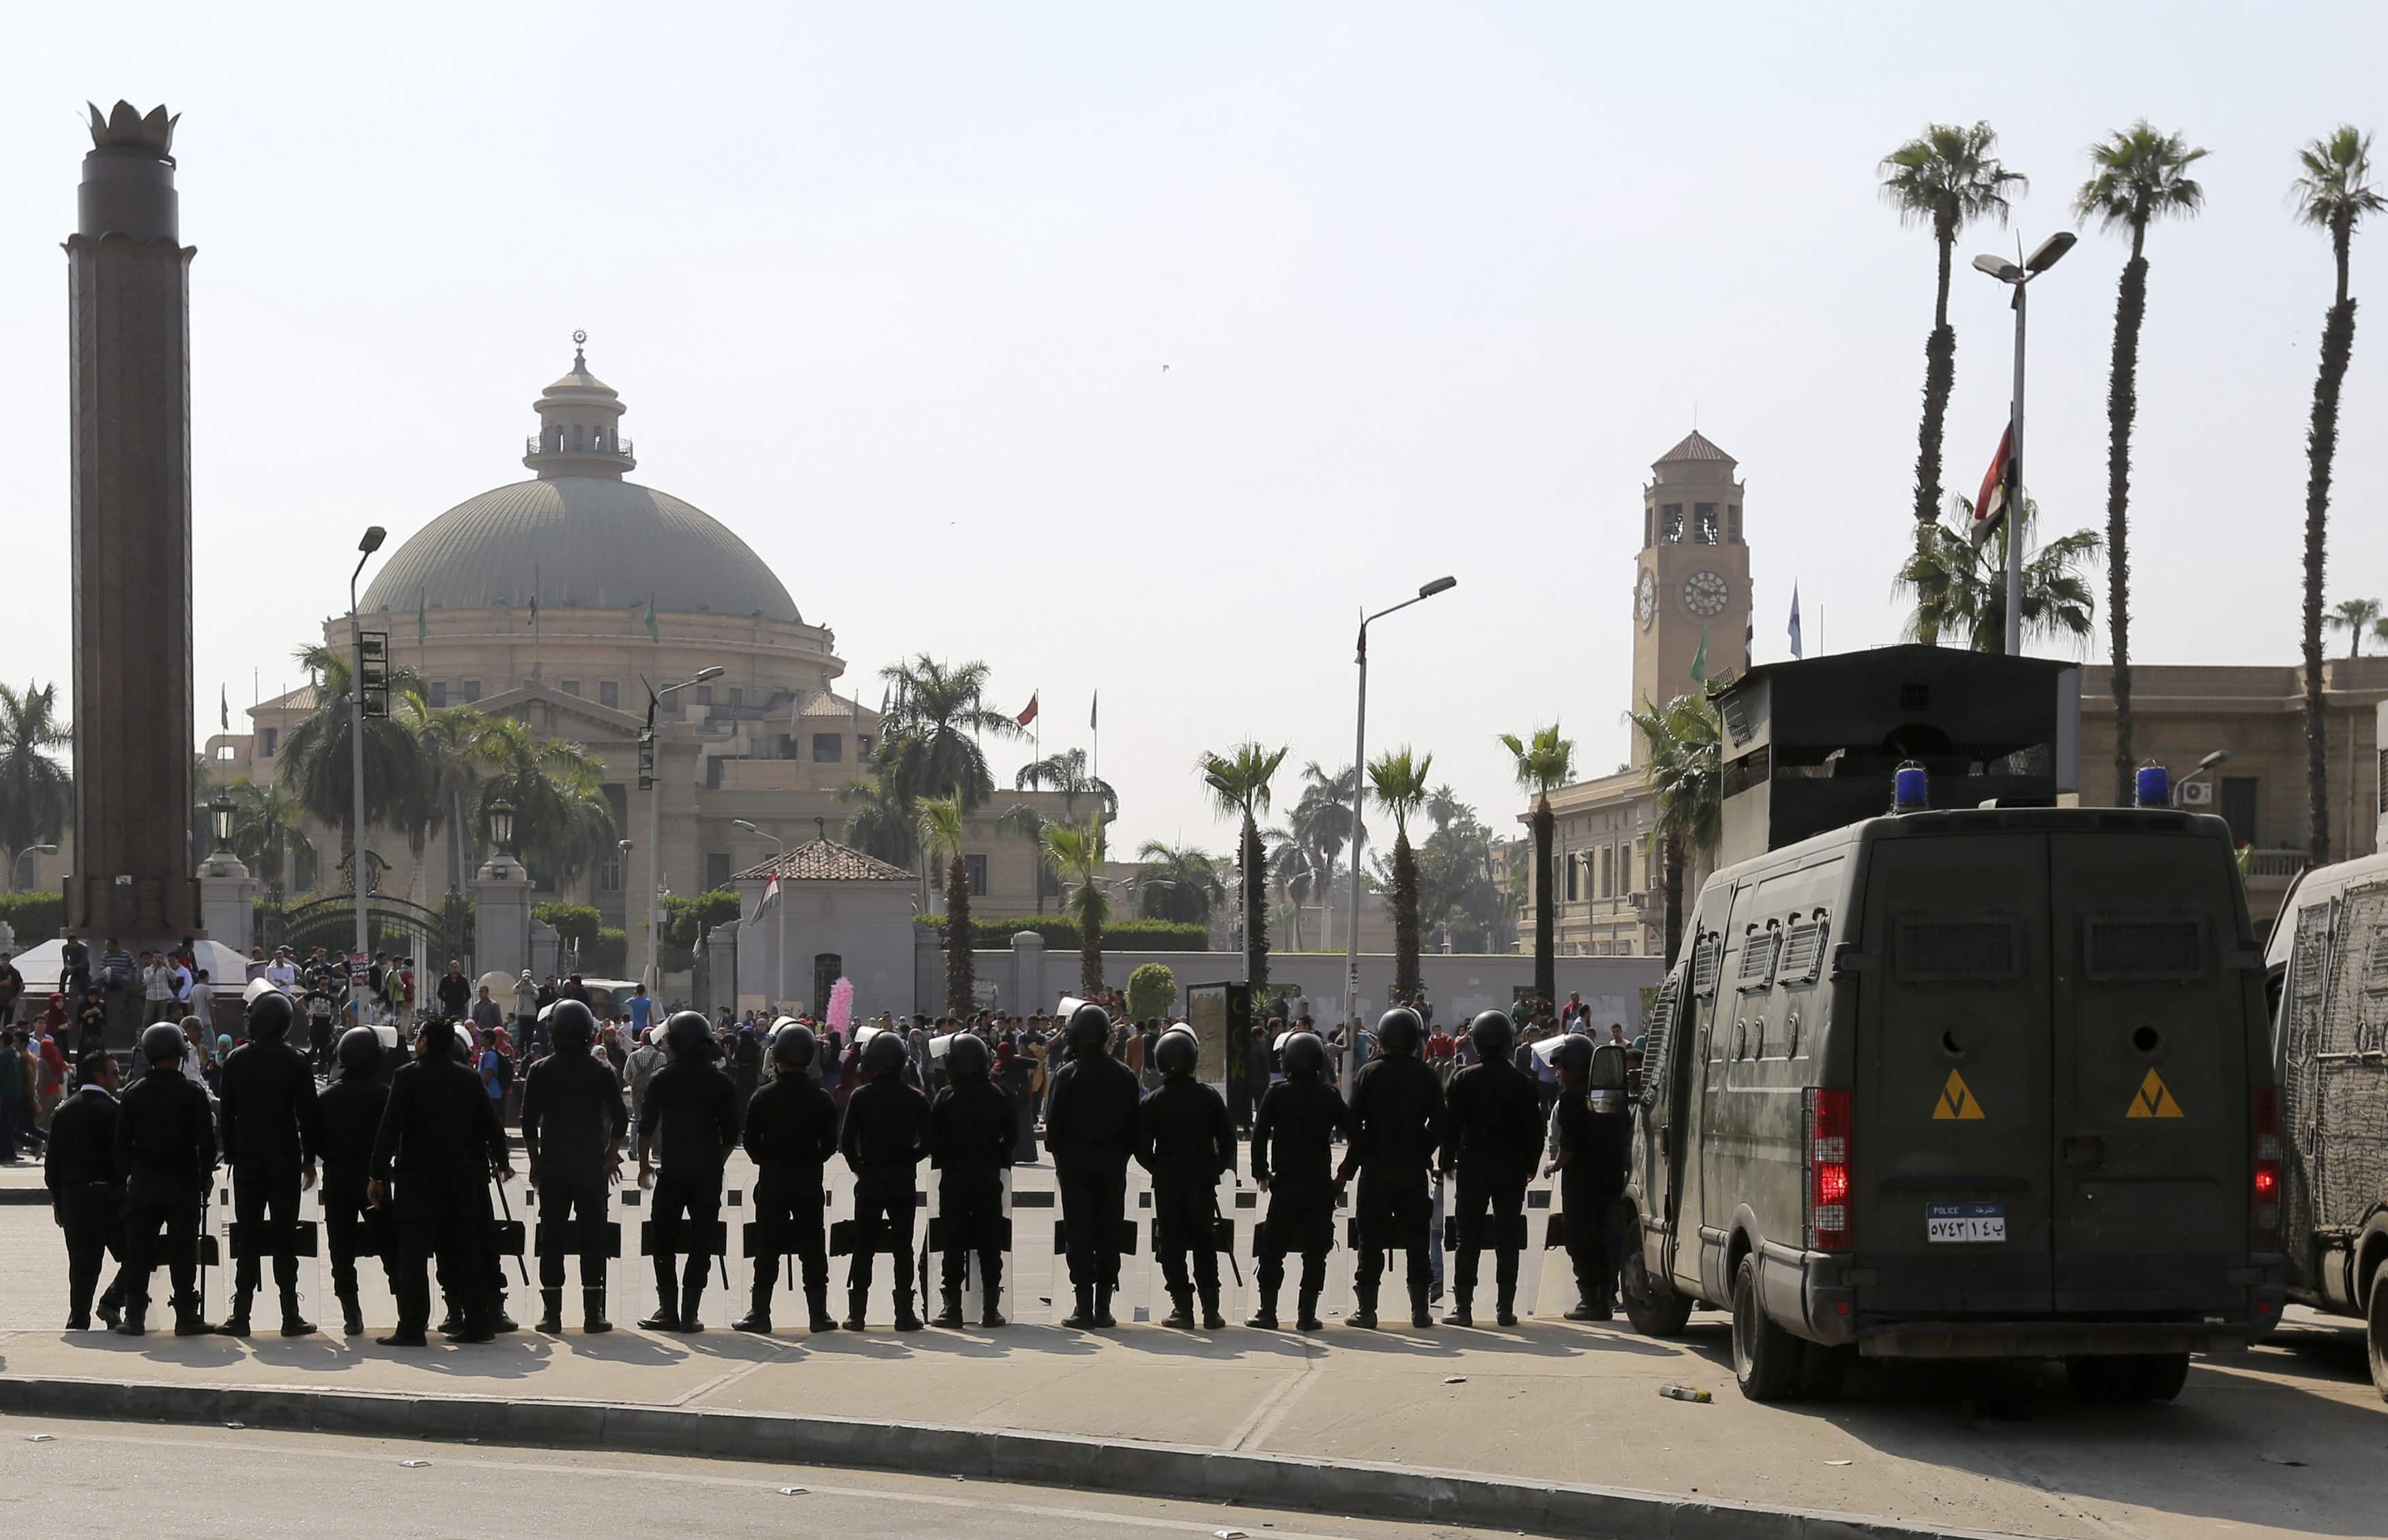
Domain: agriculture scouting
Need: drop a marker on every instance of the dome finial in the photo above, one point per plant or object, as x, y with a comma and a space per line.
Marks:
579, 365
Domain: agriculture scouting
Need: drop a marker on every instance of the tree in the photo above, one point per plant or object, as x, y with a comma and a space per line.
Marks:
562, 819
2137, 176
1684, 773
1442, 804
1545, 763
1178, 882
2331, 192
1029, 823
316, 757
878, 825
929, 743
1066, 772
265, 828
36, 792
2358, 619
1152, 991
1945, 179
1322, 821
1963, 591
1293, 872
942, 833
1076, 853
454, 753
1238, 782
1399, 782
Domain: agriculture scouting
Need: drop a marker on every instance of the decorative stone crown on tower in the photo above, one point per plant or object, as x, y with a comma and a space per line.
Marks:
125, 128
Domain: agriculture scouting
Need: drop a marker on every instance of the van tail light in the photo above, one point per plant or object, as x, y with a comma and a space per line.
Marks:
2265, 1124
1827, 1119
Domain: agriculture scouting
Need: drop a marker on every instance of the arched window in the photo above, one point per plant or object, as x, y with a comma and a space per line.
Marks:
827, 968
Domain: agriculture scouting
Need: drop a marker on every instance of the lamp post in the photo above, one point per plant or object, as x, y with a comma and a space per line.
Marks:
1359, 801
220, 819
502, 825
2204, 765
366, 546
653, 974
780, 944
2042, 258
17, 862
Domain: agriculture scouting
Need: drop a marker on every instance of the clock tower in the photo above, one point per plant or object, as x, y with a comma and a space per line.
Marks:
1690, 582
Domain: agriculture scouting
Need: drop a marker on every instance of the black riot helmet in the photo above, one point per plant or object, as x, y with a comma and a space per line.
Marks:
360, 1051
966, 1057
687, 1033
436, 1038
884, 1054
1399, 1030
792, 1047
269, 1015
1492, 1034
1178, 1053
164, 1041
572, 1027
1305, 1056
1573, 1054
1089, 1030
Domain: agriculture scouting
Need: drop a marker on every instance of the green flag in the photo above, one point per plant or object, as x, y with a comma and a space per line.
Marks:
422, 619
1700, 659
654, 633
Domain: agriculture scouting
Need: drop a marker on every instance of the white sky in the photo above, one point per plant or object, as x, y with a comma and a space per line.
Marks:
888, 290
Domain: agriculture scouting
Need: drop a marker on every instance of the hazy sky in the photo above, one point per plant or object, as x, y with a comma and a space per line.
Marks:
889, 291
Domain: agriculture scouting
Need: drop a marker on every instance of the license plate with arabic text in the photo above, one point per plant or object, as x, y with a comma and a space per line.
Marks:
1963, 1223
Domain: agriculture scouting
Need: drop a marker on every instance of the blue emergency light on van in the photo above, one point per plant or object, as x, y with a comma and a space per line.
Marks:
1910, 789
2152, 787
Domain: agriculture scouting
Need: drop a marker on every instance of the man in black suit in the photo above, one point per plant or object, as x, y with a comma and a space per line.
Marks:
166, 1147
439, 1144
87, 1189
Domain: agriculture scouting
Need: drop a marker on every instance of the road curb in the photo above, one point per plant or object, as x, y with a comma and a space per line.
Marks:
1128, 1466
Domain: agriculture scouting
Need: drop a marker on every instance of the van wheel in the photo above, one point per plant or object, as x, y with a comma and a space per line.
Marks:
2101, 1379
1651, 1303
2375, 1328
2158, 1376
1821, 1369
1765, 1357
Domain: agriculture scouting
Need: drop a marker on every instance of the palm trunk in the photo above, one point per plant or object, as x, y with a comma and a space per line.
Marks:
1255, 911
2321, 445
1405, 918
1940, 380
960, 939
1546, 979
1672, 896
1090, 957
2122, 405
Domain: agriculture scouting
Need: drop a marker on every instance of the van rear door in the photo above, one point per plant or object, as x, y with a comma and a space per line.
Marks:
1951, 1167
2152, 1009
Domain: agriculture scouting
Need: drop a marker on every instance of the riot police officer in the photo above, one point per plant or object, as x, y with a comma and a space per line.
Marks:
886, 1133
970, 1138
439, 1144
1091, 1132
166, 1147
1492, 1127
271, 1125
1298, 1121
1396, 1123
87, 1189
573, 1123
1594, 1130
791, 1132
350, 1108
1185, 1140
690, 1119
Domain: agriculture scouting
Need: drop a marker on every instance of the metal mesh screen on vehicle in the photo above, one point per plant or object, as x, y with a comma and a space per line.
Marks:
1757, 969
1934, 951
1803, 952
2336, 1048
2145, 948
1707, 960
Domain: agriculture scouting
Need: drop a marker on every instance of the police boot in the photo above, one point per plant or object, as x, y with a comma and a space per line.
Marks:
236, 1324
757, 1318
1211, 1319
500, 1322
1103, 1307
950, 1317
292, 1323
1364, 1307
352, 1316
1181, 1310
1420, 1315
857, 1302
1082, 1313
135, 1323
666, 1316
690, 1317
1505, 1311
110, 1309
1308, 1320
189, 1319
992, 1267
593, 1312
817, 1307
905, 1318
1264, 1318
1461, 1315
551, 1311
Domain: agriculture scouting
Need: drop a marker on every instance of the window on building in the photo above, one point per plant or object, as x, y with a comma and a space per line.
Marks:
609, 693
705, 695
439, 698
268, 738
1642, 861
737, 695
2238, 808
863, 746
1733, 523
224, 753
471, 691
1670, 521
1571, 878
569, 686
977, 868
609, 874
1703, 523
829, 748
717, 871
1608, 871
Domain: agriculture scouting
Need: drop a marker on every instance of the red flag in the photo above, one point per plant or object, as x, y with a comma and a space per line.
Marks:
1991, 501
1030, 715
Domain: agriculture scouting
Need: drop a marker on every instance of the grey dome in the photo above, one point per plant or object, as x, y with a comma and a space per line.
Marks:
589, 543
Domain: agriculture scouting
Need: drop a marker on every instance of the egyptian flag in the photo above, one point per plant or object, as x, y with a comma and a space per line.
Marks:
770, 895
1991, 501
1030, 715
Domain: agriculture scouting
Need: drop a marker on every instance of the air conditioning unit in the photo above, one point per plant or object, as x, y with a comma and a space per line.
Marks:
2197, 794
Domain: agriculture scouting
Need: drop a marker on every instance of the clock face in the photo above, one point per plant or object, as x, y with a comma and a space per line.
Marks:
1645, 598
1706, 593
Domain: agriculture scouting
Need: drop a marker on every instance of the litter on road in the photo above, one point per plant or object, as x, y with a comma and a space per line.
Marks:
1686, 1393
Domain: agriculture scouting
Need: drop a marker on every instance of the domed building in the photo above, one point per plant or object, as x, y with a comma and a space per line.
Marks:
559, 601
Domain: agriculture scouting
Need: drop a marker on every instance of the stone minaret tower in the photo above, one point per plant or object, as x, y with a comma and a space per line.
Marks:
1690, 582
128, 319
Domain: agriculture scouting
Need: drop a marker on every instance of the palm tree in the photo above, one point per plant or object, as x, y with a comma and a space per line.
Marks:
562, 819
942, 831
2358, 619
316, 757
1963, 591
1293, 872
1066, 772
2138, 175
454, 753
1685, 775
35, 790
1543, 764
1322, 821
265, 828
1238, 782
1178, 882
1028, 822
1076, 853
1442, 804
2332, 192
929, 744
1399, 782
1946, 178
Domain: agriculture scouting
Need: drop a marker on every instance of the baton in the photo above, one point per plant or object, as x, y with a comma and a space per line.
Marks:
207, 1195
508, 1210
1216, 1217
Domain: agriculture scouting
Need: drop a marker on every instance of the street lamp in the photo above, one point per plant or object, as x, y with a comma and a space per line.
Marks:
2042, 258
219, 819
780, 944
16, 878
653, 975
1359, 801
502, 825
369, 543
2204, 765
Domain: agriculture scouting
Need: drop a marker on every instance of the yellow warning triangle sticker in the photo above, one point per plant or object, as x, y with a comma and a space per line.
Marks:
1957, 1103
2154, 1098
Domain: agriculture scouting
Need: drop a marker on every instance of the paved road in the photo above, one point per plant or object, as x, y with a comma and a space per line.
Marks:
161, 1483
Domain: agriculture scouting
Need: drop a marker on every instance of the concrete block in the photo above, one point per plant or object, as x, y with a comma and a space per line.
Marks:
655, 1430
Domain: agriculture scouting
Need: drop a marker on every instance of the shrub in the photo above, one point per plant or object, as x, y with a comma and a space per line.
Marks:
576, 924
1061, 934
36, 917
606, 955
1152, 991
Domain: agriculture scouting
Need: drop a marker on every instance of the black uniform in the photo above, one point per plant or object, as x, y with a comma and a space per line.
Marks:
689, 1124
166, 1147
87, 1196
745, 1066
439, 1136
1396, 1123
351, 1110
1596, 1146
1091, 1133
1185, 1140
1298, 1121
886, 1133
573, 1115
1492, 1136
270, 1126
970, 1136
791, 1133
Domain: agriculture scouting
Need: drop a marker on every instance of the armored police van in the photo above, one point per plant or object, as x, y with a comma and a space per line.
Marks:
1965, 1074
2327, 969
